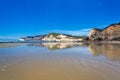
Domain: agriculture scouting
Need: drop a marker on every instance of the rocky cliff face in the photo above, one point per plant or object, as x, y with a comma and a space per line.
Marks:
111, 32
95, 34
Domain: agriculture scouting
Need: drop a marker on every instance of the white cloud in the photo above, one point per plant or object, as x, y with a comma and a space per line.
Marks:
82, 32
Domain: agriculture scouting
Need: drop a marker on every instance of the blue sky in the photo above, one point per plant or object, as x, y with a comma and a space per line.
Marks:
19, 18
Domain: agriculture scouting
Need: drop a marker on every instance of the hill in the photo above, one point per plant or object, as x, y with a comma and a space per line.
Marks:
56, 37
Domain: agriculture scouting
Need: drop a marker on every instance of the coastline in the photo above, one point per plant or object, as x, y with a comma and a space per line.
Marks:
84, 42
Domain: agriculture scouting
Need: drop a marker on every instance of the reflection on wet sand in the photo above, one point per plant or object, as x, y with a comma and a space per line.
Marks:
50, 46
56, 46
111, 51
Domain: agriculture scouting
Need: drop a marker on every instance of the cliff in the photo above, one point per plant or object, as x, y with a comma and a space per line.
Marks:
110, 33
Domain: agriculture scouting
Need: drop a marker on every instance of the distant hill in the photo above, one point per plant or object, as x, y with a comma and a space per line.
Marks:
53, 37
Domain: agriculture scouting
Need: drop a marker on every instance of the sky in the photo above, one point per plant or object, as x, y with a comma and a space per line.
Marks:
19, 18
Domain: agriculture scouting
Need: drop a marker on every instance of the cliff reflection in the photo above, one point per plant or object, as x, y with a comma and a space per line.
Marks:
56, 46
111, 51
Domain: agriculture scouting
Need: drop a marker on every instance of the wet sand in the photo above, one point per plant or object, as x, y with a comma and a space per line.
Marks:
74, 63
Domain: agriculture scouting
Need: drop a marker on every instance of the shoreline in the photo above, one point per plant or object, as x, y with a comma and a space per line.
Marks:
88, 42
